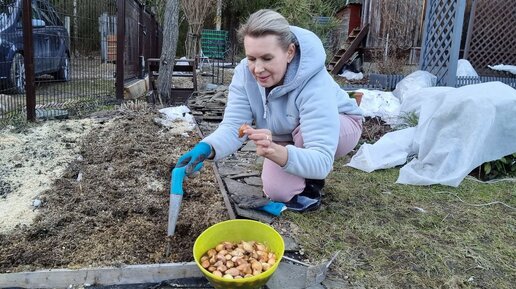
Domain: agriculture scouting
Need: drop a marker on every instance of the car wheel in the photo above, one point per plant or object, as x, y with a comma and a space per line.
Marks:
17, 76
64, 71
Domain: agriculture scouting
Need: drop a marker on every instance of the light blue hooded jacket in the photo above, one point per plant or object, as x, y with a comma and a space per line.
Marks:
309, 98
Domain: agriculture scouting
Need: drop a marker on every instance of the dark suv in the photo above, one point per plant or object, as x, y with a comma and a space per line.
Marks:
50, 39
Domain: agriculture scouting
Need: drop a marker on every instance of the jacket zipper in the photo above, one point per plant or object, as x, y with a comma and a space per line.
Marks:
266, 109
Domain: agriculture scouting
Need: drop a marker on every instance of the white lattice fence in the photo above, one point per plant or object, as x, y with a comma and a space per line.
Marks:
441, 40
491, 35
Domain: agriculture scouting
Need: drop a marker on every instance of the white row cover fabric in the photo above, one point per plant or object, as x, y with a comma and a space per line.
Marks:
458, 130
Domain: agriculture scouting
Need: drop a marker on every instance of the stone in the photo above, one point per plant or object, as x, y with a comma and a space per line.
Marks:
253, 181
290, 244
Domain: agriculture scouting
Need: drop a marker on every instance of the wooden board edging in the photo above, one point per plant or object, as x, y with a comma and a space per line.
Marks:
130, 274
220, 182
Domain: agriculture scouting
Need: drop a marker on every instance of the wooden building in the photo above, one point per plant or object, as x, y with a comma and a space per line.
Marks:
395, 30
395, 26
349, 15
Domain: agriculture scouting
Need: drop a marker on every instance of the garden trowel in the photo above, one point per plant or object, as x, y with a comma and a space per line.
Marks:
176, 195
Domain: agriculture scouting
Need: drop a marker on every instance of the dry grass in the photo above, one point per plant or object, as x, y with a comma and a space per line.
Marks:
399, 236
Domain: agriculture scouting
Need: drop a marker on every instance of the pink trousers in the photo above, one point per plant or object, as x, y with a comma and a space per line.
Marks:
281, 186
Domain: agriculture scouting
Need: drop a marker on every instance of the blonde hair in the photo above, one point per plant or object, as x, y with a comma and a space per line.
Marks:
267, 22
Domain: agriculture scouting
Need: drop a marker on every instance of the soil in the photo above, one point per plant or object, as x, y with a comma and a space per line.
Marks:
94, 192
373, 129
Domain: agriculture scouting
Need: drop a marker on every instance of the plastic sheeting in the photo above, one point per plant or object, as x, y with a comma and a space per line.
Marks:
458, 130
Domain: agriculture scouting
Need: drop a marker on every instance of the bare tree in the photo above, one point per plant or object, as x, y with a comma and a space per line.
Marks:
195, 12
169, 47
218, 15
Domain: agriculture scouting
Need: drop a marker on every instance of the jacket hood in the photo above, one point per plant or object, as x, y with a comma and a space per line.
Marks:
310, 58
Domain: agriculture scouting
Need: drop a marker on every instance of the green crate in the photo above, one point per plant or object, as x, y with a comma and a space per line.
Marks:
214, 43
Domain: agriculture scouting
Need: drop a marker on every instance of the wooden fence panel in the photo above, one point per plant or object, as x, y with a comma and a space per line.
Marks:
393, 23
491, 36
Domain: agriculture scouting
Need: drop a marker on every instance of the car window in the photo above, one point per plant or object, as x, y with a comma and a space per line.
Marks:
48, 13
43, 12
7, 9
55, 16
36, 14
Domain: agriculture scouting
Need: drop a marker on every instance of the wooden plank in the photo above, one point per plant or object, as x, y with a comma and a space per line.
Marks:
244, 175
349, 52
224, 192
132, 274
222, 188
335, 59
212, 118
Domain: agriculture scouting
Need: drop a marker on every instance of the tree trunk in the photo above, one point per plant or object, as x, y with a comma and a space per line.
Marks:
218, 15
168, 51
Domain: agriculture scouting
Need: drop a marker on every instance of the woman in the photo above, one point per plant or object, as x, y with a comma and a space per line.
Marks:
303, 119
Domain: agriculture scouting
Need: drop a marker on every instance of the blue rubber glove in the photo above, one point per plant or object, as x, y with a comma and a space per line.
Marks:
193, 160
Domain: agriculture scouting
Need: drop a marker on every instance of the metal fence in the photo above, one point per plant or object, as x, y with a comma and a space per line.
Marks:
139, 38
467, 80
60, 57
388, 82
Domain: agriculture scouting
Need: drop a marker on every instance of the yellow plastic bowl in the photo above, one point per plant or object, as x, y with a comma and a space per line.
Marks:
236, 231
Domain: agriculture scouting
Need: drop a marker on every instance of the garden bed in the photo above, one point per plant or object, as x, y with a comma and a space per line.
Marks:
105, 201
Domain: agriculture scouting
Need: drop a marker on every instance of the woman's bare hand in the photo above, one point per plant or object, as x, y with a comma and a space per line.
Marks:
265, 146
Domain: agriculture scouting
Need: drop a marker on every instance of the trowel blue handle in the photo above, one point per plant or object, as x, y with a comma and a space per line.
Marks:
178, 174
